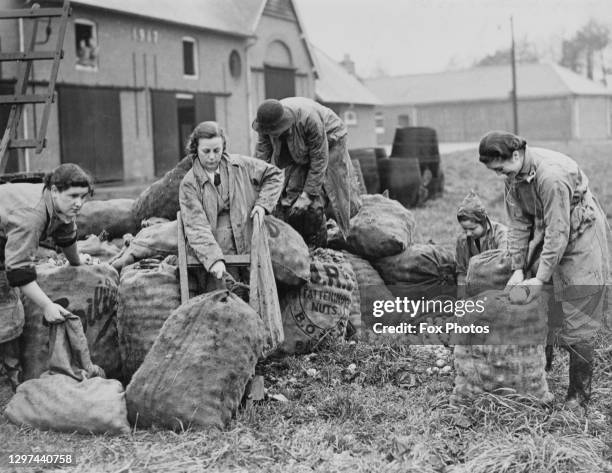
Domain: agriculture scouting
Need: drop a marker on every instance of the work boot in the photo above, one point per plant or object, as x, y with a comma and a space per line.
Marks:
580, 375
550, 356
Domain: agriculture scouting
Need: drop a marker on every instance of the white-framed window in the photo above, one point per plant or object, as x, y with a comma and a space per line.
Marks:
379, 123
350, 118
403, 120
190, 58
86, 44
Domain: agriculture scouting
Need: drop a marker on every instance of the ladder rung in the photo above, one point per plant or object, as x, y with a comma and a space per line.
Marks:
32, 13
30, 143
15, 99
31, 56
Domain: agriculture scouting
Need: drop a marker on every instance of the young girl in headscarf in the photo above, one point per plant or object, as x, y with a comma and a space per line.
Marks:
480, 233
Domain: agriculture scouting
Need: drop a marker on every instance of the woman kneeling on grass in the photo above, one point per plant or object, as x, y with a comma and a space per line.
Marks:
29, 214
479, 234
554, 215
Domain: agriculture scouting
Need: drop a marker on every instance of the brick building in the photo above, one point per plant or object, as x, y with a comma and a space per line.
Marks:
137, 76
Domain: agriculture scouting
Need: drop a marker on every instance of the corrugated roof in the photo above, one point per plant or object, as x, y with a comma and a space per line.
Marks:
483, 83
336, 85
237, 17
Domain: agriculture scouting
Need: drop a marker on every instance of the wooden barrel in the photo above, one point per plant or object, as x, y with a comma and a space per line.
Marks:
402, 176
416, 142
380, 153
369, 168
436, 186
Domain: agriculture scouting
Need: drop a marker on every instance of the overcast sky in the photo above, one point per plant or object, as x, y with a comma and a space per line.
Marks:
414, 36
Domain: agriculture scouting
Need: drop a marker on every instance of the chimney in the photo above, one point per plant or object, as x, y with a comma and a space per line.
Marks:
348, 64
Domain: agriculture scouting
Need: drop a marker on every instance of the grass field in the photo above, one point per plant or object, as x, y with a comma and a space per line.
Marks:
361, 408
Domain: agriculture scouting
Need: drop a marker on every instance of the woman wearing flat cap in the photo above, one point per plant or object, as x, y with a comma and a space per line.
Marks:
480, 233
308, 141
555, 218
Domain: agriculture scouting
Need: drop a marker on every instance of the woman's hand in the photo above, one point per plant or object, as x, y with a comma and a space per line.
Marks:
54, 313
218, 269
517, 278
535, 288
258, 210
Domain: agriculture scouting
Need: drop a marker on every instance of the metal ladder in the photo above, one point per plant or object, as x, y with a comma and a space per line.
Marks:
20, 98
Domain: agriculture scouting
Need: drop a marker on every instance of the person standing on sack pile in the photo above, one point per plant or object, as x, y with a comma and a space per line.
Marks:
479, 234
308, 141
555, 217
27, 217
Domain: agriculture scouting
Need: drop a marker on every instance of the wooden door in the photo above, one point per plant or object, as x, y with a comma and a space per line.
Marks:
166, 150
279, 82
90, 130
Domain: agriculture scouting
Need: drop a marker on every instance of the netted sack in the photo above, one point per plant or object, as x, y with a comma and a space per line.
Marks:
198, 368
161, 199
288, 251
383, 227
320, 309
422, 270
61, 403
510, 358
93, 246
11, 311
148, 293
73, 395
114, 216
490, 269
89, 291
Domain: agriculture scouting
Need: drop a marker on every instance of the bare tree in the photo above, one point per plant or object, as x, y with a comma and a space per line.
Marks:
578, 52
526, 52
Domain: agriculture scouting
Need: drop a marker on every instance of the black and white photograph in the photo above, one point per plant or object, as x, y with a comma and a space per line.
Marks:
296, 236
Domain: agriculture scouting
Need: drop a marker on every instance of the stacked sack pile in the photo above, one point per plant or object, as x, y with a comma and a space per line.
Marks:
189, 364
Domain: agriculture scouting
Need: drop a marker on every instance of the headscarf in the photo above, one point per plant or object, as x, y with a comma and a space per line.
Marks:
472, 209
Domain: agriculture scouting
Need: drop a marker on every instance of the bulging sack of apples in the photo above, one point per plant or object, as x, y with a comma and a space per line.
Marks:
319, 310
382, 227
507, 358
148, 293
288, 251
197, 370
114, 216
161, 199
490, 269
422, 270
89, 291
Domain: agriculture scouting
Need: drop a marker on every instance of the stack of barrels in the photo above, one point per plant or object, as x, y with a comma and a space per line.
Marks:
420, 144
412, 174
